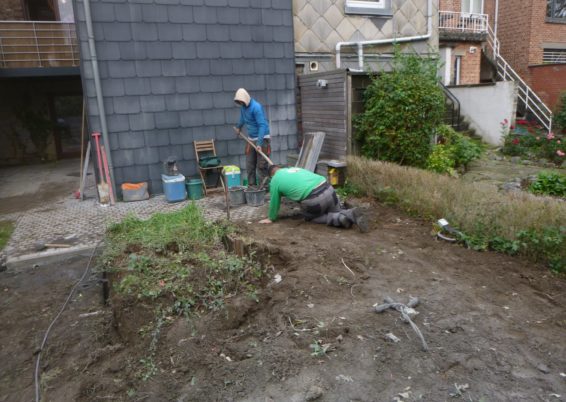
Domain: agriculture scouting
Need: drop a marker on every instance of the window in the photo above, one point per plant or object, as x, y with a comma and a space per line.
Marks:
369, 7
554, 56
472, 6
556, 9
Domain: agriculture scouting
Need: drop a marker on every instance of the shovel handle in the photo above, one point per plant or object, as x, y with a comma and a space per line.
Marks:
254, 145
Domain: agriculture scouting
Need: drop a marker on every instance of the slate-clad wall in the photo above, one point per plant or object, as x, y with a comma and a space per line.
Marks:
169, 70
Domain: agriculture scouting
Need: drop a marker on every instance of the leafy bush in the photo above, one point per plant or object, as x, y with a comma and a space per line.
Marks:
402, 110
441, 160
454, 150
529, 140
549, 183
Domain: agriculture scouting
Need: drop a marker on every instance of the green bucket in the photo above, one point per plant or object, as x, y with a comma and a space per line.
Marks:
194, 189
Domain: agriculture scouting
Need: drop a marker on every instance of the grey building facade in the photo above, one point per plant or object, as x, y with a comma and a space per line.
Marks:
169, 70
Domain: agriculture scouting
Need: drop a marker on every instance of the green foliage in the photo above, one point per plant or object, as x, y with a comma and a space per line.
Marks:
548, 245
402, 110
441, 160
560, 114
319, 349
531, 141
453, 150
549, 183
6, 229
348, 190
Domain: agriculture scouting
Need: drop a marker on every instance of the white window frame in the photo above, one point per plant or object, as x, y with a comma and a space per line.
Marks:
467, 13
369, 7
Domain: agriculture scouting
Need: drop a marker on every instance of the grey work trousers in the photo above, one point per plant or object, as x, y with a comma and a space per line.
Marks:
256, 161
322, 206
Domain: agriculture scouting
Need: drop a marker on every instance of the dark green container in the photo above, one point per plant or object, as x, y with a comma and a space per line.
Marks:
194, 189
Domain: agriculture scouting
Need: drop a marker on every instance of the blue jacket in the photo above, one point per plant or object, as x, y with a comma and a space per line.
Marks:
254, 119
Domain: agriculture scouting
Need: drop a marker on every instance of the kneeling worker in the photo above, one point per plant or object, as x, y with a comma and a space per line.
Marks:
319, 202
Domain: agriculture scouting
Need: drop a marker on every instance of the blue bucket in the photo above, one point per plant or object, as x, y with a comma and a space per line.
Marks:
174, 187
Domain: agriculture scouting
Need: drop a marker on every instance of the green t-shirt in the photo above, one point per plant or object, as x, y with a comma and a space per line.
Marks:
293, 183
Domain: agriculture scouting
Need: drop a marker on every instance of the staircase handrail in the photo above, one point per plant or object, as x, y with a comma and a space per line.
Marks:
455, 103
528, 96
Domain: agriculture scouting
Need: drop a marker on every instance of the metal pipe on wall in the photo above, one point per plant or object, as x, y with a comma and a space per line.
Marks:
98, 90
361, 44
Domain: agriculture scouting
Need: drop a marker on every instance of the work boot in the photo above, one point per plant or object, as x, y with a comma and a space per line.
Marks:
344, 221
358, 218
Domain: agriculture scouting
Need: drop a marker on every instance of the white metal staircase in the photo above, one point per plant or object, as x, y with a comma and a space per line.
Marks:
530, 99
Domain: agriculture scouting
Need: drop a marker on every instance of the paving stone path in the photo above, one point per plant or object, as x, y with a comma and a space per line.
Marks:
83, 223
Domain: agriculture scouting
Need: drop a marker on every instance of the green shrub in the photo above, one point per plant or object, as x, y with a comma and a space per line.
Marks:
549, 183
454, 150
529, 140
402, 110
465, 150
441, 160
560, 114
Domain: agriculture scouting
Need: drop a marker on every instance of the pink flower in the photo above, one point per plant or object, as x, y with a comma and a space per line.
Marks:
161, 283
550, 136
505, 121
516, 141
560, 153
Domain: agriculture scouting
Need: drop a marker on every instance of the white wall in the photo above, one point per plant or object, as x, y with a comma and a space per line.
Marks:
486, 106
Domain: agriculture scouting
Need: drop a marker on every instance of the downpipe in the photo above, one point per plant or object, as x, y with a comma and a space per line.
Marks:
360, 44
98, 90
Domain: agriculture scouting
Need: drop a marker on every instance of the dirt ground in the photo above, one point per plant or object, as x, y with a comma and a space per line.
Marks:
495, 327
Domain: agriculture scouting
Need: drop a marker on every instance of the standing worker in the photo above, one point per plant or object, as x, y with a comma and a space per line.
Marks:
319, 202
252, 115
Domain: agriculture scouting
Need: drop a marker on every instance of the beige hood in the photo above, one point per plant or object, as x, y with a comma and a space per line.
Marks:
243, 96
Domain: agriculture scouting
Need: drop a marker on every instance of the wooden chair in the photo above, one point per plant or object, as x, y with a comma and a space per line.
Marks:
207, 148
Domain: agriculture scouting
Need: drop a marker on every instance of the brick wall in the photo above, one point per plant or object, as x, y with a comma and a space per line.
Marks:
548, 81
470, 62
450, 5
11, 10
543, 31
169, 70
514, 32
523, 30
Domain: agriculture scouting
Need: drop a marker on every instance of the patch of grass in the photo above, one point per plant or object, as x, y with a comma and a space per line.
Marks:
6, 229
516, 223
177, 263
348, 190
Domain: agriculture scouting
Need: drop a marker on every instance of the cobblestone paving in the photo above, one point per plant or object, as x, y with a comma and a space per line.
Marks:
84, 222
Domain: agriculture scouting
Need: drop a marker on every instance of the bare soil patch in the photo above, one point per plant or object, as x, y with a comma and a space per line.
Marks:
493, 322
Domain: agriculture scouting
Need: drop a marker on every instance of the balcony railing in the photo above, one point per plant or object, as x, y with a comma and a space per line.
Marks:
462, 22
556, 56
38, 44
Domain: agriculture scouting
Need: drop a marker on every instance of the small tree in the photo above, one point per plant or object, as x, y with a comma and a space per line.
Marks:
402, 110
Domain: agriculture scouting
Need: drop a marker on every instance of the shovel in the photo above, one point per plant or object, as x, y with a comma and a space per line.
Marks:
103, 191
254, 146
